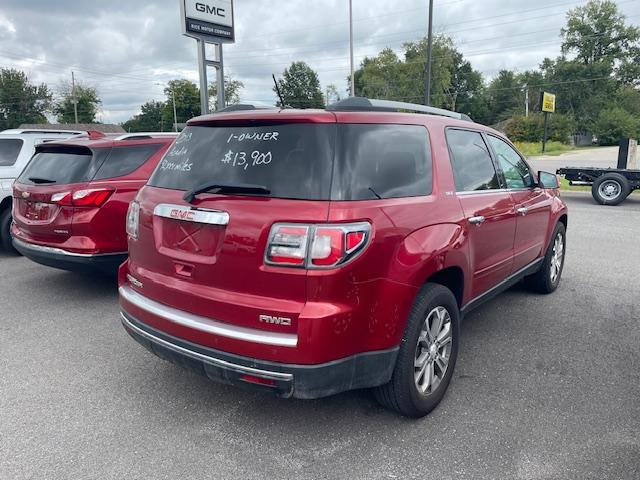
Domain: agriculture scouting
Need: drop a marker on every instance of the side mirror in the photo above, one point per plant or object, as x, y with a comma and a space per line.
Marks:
548, 180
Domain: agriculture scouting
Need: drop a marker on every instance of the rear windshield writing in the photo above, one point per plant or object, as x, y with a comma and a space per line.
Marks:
293, 161
297, 160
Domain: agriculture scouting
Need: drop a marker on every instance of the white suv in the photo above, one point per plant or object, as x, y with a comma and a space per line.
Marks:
16, 149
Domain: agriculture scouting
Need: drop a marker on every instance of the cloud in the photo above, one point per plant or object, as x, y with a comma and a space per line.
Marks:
129, 50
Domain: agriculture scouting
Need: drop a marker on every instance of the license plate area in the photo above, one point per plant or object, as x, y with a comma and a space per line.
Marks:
183, 233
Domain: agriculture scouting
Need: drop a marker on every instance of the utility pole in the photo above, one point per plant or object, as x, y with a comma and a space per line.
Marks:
74, 99
353, 81
427, 76
175, 115
526, 100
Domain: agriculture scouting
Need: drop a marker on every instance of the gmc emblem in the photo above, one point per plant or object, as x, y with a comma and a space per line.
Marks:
204, 8
284, 321
182, 214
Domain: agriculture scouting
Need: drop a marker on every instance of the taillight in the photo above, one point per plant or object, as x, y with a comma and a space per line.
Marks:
95, 197
133, 219
316, 246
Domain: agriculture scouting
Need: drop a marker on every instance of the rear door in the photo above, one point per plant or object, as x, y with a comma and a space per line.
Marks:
533, 206
488, 208
214, 246
42, 209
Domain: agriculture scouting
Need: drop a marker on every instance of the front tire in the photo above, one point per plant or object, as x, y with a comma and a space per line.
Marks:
427, 355
547, 279
5, 231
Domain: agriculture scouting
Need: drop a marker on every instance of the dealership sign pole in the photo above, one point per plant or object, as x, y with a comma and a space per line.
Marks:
547, 105
209, 22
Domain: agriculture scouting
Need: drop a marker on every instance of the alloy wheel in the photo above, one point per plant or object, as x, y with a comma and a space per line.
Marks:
433, 350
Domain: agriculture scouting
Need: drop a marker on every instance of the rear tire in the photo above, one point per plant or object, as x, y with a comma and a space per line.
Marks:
427, 355
5, 231
547, 279
610, 189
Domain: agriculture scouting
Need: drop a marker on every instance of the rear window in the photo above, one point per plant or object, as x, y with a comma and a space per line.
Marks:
62, 166
9, 151
303, 161
125, 160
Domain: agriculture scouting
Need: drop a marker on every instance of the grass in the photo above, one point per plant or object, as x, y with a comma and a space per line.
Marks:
535, 148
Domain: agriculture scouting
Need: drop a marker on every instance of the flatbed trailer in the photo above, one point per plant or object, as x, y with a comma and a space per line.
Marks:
609, 186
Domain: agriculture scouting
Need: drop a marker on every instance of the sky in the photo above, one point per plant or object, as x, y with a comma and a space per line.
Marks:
128, 50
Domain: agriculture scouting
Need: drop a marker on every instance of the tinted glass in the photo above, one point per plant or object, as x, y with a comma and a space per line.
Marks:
472, 166
516, 171
292, 160
62, 166
9, 151
124, 160
388, 161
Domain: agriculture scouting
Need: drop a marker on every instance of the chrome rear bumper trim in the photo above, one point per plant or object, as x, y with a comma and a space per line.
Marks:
205, 358
60, 251
207, 325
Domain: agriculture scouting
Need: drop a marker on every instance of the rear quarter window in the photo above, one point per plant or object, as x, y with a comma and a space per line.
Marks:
386, 161
9, 151
125, 160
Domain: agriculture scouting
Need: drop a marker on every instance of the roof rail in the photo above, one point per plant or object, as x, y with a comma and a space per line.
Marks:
362, 104
144, 135
245, 106
36, 131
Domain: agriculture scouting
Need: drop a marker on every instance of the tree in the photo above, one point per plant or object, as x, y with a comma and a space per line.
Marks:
300, 87
505, 96
332, 94
596, 32
615, 123
187, 98
20, 101
148, 120
454, 83
88, 104
232, 89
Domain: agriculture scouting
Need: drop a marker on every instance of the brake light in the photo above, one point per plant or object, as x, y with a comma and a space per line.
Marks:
330, 245
95, 197
133, 219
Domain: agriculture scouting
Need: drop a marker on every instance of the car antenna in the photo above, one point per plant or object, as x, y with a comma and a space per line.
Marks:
282, 104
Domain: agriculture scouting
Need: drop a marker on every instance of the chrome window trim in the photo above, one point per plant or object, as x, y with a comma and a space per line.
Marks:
60, 251
482, 192
200, 215
205, 358
207, 325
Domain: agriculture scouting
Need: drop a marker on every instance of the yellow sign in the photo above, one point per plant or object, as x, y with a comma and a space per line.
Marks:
548, 102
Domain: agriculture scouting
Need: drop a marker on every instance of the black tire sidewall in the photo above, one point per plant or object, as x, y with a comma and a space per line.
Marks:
431, 296
5, 230
625, 189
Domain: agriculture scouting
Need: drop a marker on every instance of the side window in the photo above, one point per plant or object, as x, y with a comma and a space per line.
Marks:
473, 169
516, 171
9, 151
386, 161
124, 160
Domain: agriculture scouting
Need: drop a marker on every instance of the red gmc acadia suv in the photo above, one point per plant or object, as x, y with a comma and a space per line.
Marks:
70, 202
309, 252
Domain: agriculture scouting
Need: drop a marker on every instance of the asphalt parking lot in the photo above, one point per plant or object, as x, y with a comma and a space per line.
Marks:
546, 387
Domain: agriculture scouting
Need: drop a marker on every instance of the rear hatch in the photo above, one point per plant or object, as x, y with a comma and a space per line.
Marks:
43, 209
207, 255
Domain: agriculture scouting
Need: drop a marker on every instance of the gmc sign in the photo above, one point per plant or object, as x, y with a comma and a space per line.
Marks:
210, 20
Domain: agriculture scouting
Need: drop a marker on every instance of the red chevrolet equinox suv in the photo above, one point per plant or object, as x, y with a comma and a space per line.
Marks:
309, 252
70, 202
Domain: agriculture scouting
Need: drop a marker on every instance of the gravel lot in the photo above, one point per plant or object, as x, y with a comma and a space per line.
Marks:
546, 387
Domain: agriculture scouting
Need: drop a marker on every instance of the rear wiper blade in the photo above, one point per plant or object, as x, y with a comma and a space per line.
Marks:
40, 180
221, 188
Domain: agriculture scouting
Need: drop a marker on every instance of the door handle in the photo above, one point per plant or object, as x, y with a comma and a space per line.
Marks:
476, 220
522, 210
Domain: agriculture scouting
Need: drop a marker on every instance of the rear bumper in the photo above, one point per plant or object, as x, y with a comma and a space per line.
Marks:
65, 260
364, 370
